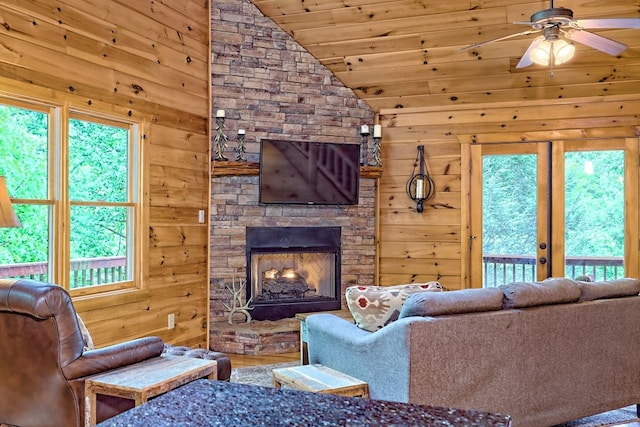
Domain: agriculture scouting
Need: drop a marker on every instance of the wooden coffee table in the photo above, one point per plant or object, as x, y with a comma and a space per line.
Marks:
320, 379
144, 380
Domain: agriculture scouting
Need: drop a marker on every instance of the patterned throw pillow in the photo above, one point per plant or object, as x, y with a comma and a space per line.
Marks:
86, 336
374, 307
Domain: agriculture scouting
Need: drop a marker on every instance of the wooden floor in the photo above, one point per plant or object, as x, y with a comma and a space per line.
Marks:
243, 361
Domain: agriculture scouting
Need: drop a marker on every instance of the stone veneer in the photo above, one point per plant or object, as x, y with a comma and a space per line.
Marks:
234, 206
273, 88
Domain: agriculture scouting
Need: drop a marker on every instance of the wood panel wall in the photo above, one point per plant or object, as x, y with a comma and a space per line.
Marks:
148, 61
435, 245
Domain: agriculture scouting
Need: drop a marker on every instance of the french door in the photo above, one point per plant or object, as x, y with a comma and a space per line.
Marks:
553, 209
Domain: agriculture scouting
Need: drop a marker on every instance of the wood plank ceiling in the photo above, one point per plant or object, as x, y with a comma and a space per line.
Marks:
407, 53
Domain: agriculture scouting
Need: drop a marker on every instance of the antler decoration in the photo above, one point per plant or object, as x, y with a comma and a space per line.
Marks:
236, 302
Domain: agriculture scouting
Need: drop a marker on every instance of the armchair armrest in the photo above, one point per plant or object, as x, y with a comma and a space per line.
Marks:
114, 356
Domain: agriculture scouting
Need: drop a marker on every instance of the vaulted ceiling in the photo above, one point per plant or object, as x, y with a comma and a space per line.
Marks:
407, 53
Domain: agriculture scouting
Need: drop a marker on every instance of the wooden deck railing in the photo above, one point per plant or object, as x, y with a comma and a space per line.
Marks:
498, 269
84, 272
502, 269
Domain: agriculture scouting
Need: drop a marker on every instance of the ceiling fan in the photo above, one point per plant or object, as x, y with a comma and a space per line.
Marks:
557, 24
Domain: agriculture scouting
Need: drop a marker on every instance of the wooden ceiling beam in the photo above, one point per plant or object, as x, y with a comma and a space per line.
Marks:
375, 96
546, 135
420, 73
448, 132
506, 115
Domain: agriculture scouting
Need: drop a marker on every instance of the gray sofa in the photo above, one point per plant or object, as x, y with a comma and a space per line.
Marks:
543, 353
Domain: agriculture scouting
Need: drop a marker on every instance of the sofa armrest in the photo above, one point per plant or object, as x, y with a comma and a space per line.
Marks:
379, 358
338, 328
103, 359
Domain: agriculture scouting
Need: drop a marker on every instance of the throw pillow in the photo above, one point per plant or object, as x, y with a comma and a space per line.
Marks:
454, 302
86, 336
374, 307
609, 289
531, 294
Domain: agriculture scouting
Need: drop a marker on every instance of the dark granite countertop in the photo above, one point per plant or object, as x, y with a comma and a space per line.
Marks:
217, 403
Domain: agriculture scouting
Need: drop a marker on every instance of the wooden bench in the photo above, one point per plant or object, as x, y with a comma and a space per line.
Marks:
319, 379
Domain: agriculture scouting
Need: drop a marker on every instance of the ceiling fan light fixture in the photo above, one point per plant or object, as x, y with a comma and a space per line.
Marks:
563, 51
552, 52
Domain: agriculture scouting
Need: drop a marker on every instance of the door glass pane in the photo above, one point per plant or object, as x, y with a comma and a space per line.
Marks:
594, 214
509, 218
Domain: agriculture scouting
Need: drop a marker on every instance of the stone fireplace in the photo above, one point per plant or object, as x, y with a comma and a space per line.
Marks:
293, 270
235, 211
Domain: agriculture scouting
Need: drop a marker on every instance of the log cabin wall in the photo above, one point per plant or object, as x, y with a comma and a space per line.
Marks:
271, 87
148, 61
434, 245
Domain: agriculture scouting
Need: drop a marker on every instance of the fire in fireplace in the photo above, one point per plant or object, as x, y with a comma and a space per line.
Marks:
293, 270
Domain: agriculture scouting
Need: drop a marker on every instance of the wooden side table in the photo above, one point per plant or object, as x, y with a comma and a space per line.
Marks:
320, 379
144, 380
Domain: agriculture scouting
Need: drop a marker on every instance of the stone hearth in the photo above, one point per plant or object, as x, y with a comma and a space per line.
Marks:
256, 338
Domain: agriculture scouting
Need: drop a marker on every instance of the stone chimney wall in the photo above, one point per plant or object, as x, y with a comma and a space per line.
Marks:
271, 87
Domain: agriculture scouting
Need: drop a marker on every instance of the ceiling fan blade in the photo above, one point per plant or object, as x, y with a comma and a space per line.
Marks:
523, 33
606, 23
596, 41
525, 61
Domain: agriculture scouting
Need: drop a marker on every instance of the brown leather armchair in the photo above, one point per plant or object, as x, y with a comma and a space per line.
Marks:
42, 363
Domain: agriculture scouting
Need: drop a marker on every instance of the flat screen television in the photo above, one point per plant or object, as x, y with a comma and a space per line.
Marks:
309, 173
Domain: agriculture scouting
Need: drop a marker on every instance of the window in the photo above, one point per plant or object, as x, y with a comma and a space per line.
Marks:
73, 180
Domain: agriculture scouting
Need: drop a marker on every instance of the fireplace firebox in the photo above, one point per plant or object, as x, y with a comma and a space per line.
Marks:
293, 270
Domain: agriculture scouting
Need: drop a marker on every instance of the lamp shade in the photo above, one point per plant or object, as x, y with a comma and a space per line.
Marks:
8, 217
552, 52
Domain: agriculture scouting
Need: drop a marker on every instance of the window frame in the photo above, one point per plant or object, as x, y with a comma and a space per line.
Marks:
57, 198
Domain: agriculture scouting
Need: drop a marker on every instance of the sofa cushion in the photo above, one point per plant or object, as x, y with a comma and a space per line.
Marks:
374, 307
531, 294
609, 289
454, 302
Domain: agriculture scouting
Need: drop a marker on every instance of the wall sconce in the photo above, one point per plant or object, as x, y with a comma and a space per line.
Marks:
420, 186
8, 217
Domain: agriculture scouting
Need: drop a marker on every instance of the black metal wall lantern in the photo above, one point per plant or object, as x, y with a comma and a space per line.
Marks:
420, 186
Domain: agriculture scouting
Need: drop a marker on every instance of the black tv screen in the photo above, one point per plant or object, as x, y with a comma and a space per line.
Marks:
310, 173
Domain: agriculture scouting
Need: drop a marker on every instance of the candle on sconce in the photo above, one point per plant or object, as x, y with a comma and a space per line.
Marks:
364, 130
420, 190
377, 131
241, 131
220, 114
